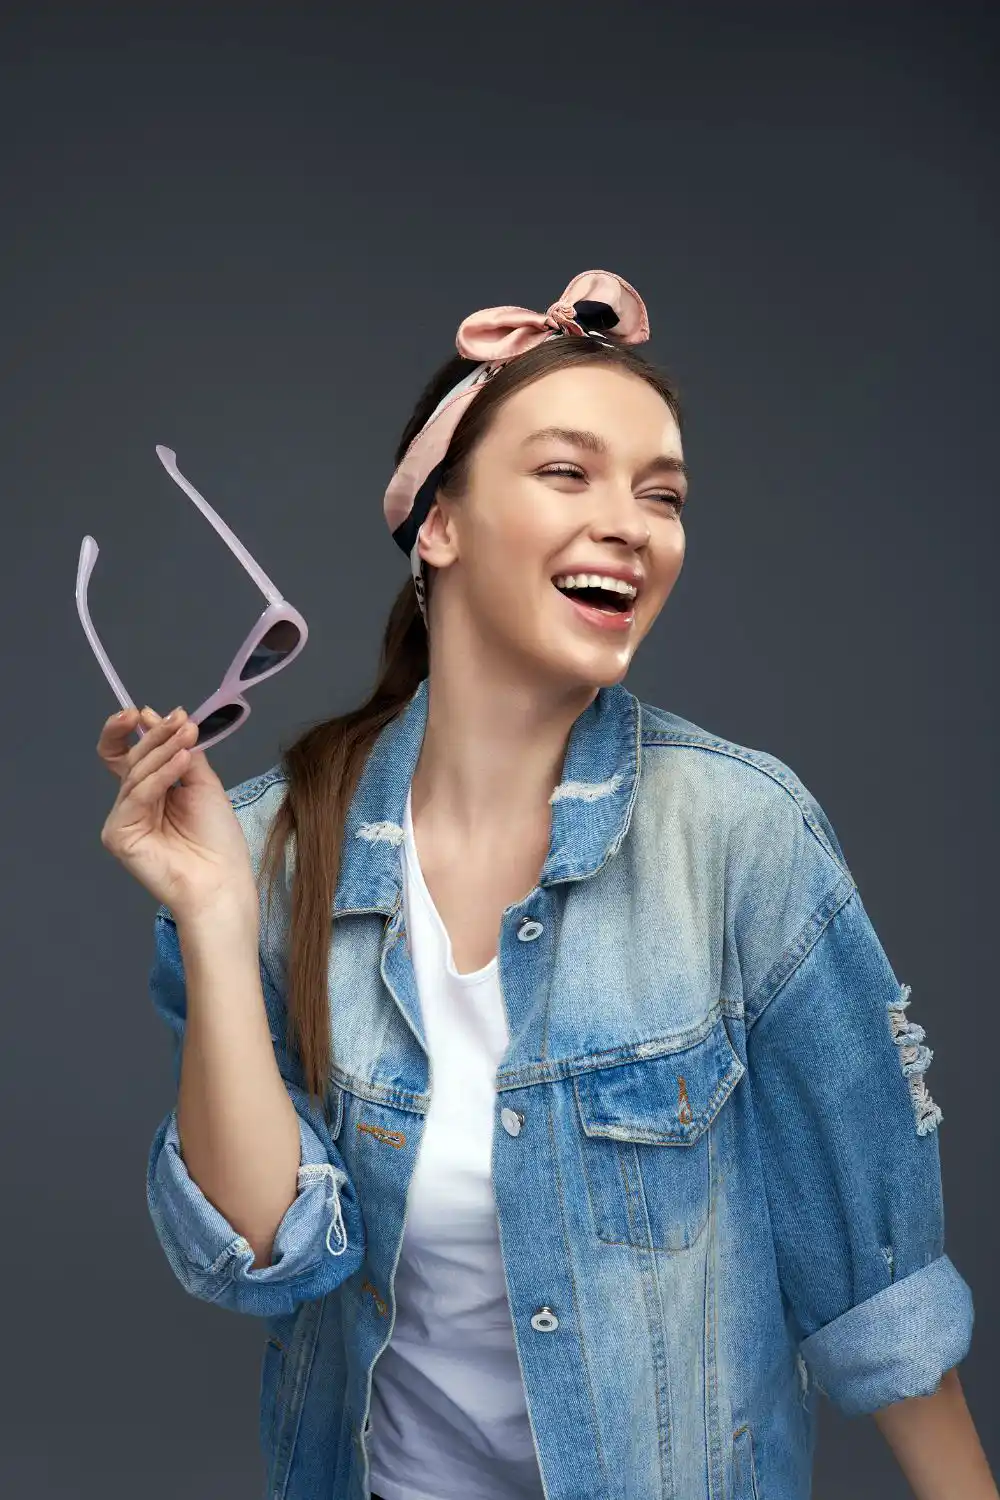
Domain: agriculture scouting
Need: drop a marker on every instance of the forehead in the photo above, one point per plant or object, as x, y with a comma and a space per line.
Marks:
621, 407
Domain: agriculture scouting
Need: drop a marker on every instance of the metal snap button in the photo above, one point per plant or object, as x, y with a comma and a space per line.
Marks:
545, 1320
511, 1120
529, 930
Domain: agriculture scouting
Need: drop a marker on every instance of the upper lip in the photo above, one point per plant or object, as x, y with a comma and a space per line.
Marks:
605, 570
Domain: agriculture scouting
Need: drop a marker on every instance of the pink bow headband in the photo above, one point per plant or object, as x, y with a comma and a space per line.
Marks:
596, 304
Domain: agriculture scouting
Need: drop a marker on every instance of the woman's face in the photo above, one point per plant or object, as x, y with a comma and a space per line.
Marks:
579, 472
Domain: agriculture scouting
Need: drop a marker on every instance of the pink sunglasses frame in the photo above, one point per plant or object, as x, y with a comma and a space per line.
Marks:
232, 688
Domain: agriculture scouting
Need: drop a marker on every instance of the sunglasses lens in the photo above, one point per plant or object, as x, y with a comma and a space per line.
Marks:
280, 641
221, 718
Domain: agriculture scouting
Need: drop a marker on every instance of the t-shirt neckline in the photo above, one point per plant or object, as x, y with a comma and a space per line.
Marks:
474, 976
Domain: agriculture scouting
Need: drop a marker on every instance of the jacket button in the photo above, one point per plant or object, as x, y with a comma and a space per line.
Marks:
529, 930
545, 1320
511, 1120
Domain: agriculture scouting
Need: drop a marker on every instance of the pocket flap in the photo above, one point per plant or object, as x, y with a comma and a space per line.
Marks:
664, 1100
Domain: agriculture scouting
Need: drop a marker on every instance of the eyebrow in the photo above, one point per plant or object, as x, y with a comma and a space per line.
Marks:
593, 441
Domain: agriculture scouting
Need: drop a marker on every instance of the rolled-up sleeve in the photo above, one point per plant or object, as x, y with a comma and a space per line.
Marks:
319, 1242
848, 1135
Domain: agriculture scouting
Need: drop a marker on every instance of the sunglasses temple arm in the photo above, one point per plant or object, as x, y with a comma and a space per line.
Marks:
168, 459
88, 556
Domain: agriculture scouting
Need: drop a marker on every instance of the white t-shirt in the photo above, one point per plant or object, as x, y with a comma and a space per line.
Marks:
448, 1413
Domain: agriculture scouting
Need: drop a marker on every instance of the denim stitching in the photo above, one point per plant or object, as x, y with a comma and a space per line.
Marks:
554, 1159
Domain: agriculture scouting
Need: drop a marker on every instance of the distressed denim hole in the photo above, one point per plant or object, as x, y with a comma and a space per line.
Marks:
914, 1060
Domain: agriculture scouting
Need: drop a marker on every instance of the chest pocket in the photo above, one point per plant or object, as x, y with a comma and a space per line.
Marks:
646, 1142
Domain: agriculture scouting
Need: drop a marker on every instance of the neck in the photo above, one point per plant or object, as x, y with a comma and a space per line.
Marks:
493, 750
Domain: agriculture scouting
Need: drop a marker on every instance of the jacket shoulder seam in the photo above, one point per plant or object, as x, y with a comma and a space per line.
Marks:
798, 949
255, 786
754, 759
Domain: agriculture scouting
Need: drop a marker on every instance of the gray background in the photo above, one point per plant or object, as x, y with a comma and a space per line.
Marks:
250, 233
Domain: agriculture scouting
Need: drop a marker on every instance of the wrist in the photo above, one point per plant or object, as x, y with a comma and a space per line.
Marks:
226, 919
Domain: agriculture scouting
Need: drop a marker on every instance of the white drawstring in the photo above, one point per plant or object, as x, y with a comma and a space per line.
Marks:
335, 1177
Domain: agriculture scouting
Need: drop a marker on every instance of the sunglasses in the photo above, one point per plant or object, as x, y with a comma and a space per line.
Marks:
276, 639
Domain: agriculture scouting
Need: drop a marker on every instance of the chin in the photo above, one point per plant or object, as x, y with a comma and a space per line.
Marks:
611, 678
589, 670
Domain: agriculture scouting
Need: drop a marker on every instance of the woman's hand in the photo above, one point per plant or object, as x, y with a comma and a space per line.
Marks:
172, 824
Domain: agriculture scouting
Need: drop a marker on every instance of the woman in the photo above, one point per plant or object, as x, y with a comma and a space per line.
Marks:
590, 1138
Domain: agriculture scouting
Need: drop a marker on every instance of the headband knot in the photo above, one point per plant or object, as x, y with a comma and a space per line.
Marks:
563, 315
594, 301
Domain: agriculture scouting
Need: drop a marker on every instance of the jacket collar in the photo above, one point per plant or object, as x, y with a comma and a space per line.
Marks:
591, 805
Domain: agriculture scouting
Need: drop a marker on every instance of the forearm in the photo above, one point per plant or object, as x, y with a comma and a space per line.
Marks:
935, 1443
238, 1128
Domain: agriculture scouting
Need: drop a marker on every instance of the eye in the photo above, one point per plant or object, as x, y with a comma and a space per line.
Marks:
672, 498
570, 471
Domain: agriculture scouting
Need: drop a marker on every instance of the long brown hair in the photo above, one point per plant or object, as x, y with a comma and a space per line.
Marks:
324, 765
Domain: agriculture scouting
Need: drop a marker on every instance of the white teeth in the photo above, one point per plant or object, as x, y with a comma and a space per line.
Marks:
595, 581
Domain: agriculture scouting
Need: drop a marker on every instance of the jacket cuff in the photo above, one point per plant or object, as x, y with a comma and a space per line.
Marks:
319, 1242
896, 1344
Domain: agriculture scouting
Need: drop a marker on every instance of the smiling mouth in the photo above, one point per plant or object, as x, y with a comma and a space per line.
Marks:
603, 599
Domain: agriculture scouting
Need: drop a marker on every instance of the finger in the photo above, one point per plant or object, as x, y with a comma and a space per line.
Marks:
122, 717
114, 744
164, 741
155, 731
116, 729
147, 793
153, 786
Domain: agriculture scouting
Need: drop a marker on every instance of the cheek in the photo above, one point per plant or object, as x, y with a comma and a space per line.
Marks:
666, 566
674, 546
522, 527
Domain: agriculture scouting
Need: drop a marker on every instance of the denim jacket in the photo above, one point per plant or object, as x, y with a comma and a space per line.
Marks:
725, 1195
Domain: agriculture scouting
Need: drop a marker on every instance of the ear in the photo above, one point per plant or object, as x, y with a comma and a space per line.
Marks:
436, 540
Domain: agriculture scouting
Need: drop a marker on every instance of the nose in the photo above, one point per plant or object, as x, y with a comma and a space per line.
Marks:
619, 516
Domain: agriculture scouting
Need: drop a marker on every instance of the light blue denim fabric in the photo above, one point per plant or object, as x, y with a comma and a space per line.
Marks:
726, 1188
